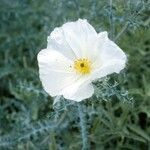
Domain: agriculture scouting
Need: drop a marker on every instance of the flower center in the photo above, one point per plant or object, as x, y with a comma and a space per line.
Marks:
82, 66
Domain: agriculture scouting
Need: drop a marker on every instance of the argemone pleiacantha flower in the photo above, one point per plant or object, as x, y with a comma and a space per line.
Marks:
75, 56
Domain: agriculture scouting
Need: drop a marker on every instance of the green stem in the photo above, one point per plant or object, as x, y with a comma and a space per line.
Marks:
85, 143
111, 19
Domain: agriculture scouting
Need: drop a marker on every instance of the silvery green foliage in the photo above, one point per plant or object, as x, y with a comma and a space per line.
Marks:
117, 116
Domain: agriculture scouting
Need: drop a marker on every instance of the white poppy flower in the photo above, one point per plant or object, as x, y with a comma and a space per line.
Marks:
75, 56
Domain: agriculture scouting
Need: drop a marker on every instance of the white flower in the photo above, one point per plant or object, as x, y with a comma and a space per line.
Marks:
75, 56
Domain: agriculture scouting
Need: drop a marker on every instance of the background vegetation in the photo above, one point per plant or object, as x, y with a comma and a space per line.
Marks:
117, 117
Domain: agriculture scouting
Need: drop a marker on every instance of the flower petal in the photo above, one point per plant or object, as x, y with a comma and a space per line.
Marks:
110, 58
54, 71
108, 49
84, 92
77, 37
53, 60
57, 41
95, 51
113, 66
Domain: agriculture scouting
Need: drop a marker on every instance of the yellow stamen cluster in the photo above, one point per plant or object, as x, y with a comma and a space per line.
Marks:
82, 66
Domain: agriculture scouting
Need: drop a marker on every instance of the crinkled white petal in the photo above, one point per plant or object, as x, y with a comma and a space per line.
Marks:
103, 35
109, 50
57, 41
110, 59
80, 81
54, 60
54, 71
75, 38
113, 66
84, 92
97, 47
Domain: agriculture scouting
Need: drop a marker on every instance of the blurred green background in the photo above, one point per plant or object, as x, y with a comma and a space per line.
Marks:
27, 115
